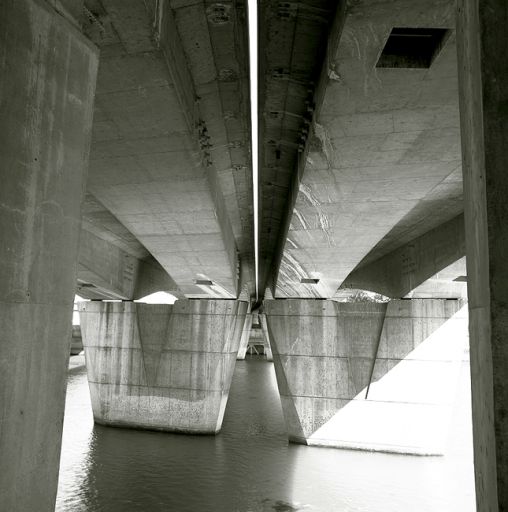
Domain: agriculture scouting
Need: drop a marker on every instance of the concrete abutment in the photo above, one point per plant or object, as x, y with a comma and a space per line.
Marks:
162, 367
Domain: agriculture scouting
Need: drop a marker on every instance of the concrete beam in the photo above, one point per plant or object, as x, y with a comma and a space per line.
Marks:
152, 134
47, 73
381, 143
107, 271
398, 273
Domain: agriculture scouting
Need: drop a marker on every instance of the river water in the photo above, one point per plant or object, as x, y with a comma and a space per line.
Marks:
249, 466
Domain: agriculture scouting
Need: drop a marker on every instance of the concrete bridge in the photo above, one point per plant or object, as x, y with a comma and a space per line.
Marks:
126, 162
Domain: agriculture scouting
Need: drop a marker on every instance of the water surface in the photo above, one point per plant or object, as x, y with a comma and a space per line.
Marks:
249, 466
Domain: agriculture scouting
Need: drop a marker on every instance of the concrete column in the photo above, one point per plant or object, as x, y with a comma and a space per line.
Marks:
327, 354
266, 338
161, 367
482, 40
323, 354
47, 82
244, 341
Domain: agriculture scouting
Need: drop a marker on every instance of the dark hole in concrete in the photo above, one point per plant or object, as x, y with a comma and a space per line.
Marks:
204, 282
461, 279
412, 47
309, 280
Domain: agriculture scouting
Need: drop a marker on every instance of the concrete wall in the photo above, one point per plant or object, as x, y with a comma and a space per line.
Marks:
326, 354
47, 84
161, 367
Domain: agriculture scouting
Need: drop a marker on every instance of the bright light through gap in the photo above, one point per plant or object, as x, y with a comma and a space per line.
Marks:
253, 57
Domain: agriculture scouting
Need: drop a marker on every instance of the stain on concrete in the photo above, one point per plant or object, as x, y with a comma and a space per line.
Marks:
281, 506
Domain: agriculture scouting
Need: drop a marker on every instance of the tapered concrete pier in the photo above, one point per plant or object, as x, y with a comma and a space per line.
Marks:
326, 353
161, 367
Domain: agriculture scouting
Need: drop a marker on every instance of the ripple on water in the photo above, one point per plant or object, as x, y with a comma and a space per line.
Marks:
249, 467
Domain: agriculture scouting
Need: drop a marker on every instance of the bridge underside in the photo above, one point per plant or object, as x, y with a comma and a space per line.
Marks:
126, 160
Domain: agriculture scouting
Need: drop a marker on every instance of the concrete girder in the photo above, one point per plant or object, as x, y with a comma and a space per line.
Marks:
401, 271
214, 41
148, 166
293, 45
383, 142
107, 272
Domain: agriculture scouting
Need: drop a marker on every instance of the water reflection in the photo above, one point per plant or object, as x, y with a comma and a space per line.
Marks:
249, 467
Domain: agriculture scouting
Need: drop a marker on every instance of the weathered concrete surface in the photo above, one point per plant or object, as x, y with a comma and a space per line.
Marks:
107, 271
76, 341
382, 153
408, 406
448, 283
161, 367
407, 324
398, 273
47, 83
323, 352
170, 151
244, 341
292, 48
483, 73
327, 353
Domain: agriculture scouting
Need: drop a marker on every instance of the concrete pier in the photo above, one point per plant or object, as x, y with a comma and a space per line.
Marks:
326, 353
323, 352
161, 367
48, 72
244, 341
483, 81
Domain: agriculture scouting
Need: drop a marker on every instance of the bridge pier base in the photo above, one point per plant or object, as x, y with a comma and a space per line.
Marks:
327, 354
161, 367
48, 72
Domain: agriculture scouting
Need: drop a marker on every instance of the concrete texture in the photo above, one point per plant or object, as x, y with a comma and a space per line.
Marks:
170, 151
323, 353
448, 283
327, 353
380, 162
483, 90
244, 340
76, 341
401, 271
161, 367
46, 109
105, 271
409, 405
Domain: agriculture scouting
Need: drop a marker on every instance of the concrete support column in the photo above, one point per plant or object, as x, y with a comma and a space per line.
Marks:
244, 341
323, 354
266, 338
47, 82
482, 40
327, 354
161, 367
